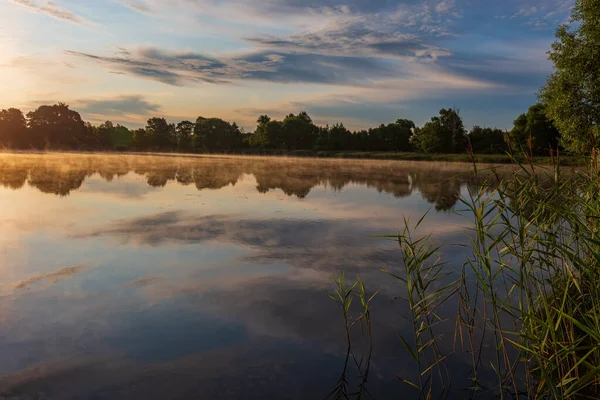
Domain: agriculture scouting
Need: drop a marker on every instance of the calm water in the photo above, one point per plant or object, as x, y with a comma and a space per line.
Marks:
139, 277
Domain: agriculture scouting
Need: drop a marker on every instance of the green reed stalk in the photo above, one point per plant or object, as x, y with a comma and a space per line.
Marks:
529, 291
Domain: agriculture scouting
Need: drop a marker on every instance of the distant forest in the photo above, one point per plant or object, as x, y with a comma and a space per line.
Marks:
59, 127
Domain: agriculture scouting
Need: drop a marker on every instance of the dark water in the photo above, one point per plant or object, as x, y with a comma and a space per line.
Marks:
138, 277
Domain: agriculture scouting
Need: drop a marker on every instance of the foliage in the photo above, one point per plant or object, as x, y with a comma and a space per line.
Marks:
13, 128
268, 134
527, 300
336, 137
109, 136
571, 96
299, 132
535, 127
161, 131
142, 139
487, 140
214, 134
392, 137
443, 134
184, 132
295, 134
56, 125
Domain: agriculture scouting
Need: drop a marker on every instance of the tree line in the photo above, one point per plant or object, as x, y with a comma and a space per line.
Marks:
59, 127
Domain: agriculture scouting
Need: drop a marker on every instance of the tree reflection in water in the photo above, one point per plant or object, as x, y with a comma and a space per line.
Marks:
438, 183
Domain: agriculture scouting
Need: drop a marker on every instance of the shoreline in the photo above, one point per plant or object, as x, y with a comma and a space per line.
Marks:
345, 155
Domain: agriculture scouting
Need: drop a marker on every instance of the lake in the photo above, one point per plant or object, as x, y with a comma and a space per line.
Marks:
138, 277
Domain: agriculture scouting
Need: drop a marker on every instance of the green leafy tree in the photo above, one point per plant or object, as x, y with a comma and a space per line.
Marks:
121, 138
487, 140
263, 119
13, 129
103, 133
184, 132
269, 134
571, 95
299, 132
162, 132
443, 134
534, 130
142, 139
259, 137
452, 125
338, 137
215, 134
430, 138
56, 125
305, 117
391, 137
406, 123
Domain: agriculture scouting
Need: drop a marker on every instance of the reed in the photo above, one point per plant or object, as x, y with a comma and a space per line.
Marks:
529, 289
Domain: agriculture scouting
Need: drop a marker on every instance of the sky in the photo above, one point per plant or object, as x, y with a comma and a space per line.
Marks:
360, 62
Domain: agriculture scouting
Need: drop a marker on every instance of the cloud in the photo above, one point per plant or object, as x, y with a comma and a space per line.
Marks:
128, 105
53, 10
321, 245
525, 12
139, 6
541, 13
354, 39
179, 69
346, 44
53, 277
511, 64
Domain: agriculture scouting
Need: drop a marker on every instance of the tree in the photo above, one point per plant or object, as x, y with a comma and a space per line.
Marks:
392, 137
162, 132
183, 134
336, 137
121, 138
13, 128
56, 125
534, 130
406, 123
268, 135
430, 138
103, 134
487, 140
571, 96
263, 119
142, 140
444, 134
299, 132
452, 125
113, 137
304, 116
216, 134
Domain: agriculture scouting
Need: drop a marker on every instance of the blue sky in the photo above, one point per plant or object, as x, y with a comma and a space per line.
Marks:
361, 62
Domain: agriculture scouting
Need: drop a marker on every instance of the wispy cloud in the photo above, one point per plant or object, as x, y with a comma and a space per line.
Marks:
139, 6
354, 38
51, 9
525, 12
179, 69
120, 105
51, 277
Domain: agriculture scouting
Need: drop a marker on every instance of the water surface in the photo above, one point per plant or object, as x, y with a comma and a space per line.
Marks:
125, 277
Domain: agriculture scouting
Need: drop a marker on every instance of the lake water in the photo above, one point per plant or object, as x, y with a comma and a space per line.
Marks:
140, 277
